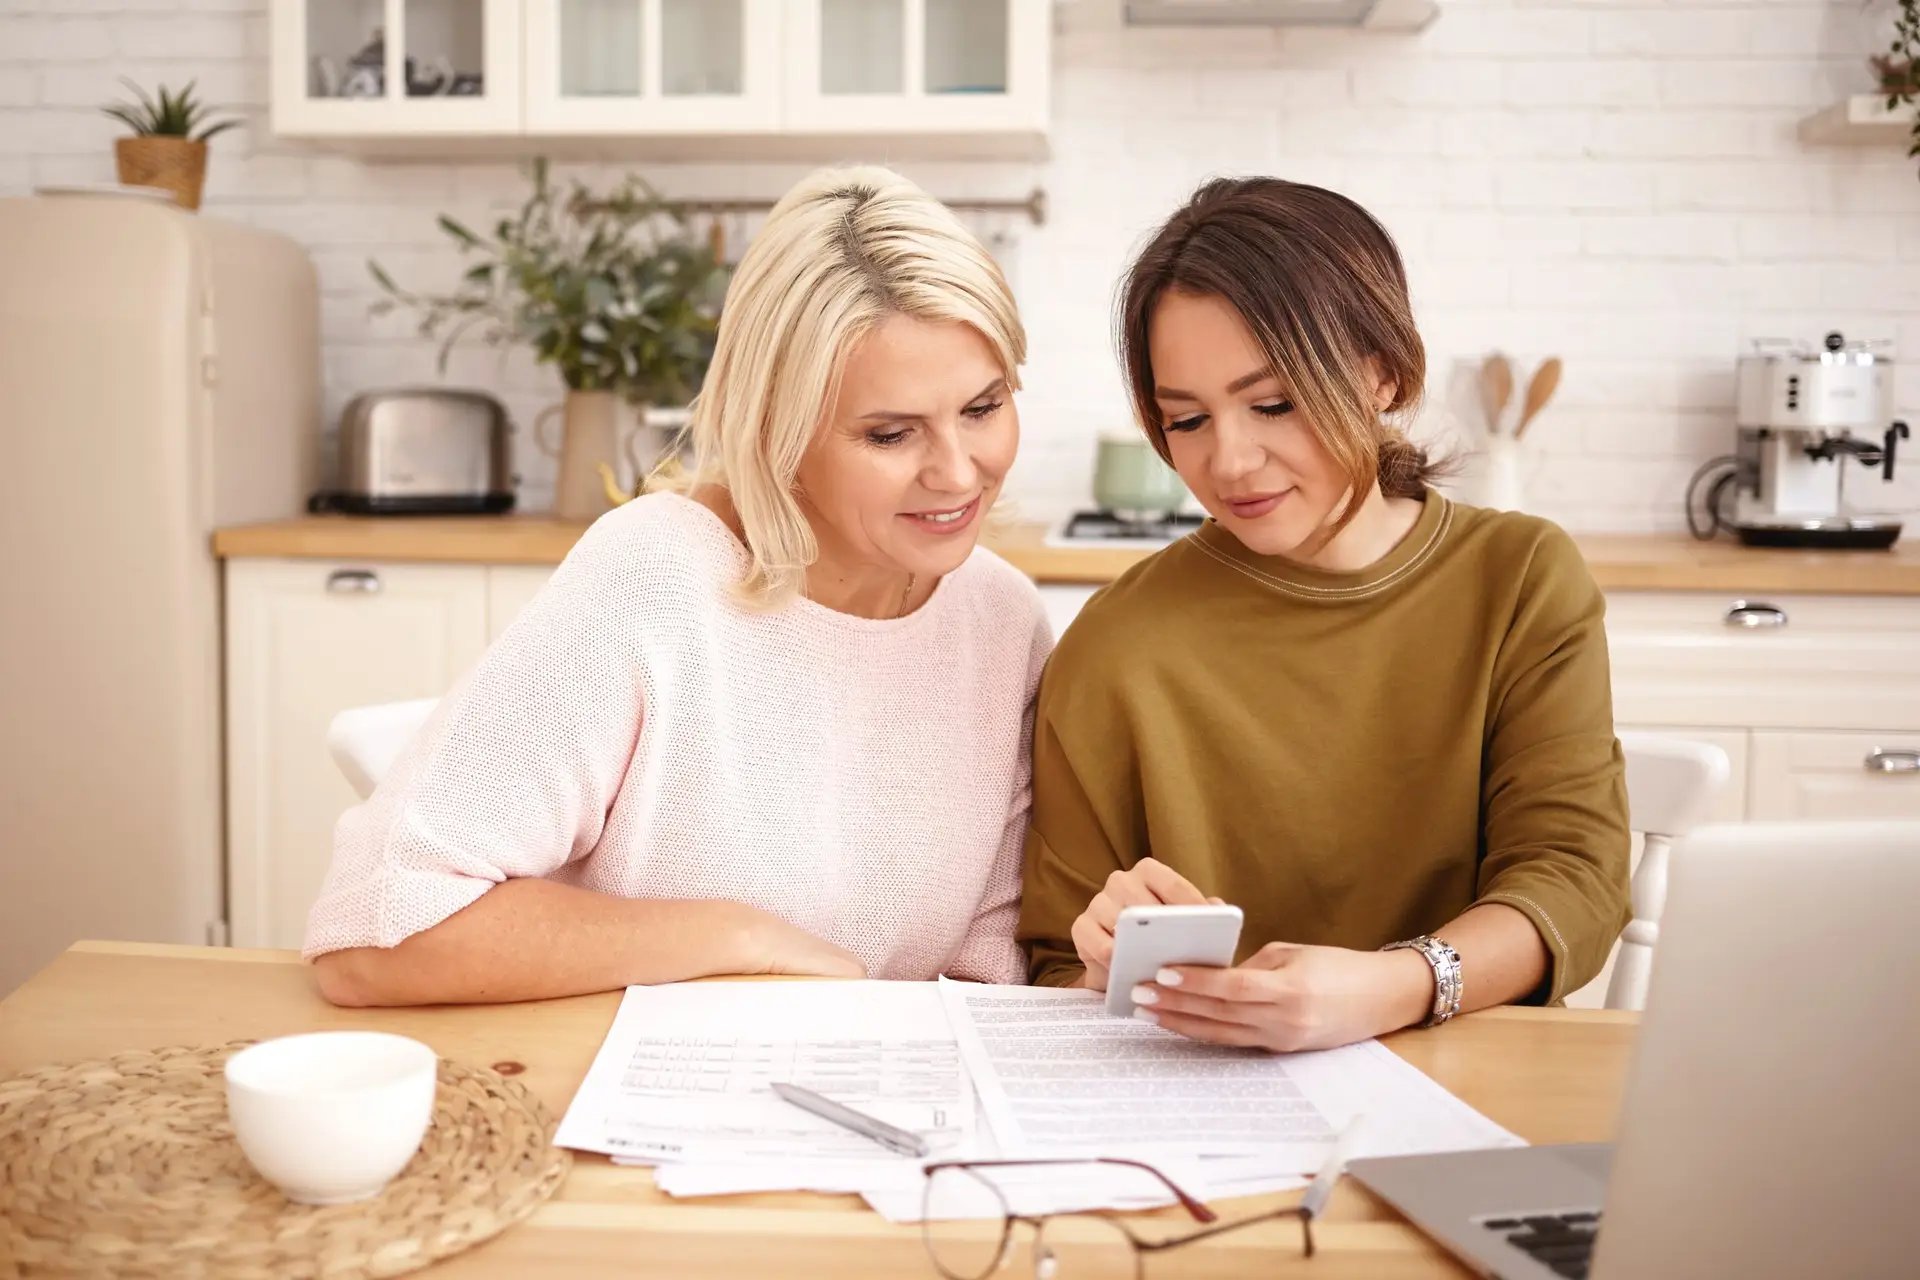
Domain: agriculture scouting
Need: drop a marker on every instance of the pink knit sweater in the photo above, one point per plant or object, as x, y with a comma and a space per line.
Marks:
637, 732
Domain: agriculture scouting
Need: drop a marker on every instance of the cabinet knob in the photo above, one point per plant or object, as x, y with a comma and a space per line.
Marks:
1893, 760
348, 581
1754, 614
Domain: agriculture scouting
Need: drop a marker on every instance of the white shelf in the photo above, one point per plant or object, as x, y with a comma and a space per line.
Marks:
666, 148
1363, 15
1860, 120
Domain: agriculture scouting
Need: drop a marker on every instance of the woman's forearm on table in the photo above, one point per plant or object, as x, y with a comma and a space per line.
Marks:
1502, 959
533, 939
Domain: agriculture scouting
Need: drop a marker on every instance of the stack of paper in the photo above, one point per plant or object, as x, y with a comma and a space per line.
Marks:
684, 1072
682, 1083
1057, 1075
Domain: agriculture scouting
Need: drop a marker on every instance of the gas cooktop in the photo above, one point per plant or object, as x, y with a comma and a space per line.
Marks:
1105, 528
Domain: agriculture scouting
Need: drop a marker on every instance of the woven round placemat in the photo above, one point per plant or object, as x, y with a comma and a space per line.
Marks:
127, 1167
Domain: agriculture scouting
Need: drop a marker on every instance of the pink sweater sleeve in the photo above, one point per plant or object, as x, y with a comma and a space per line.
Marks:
989, 953
513, 774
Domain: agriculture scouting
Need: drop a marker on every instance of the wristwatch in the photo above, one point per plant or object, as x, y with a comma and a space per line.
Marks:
1446, 975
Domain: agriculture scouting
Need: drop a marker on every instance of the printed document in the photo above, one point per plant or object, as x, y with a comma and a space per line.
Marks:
1058, 1076
684, 1072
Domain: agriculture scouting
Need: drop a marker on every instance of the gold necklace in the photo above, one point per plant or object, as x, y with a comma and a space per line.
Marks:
905, 597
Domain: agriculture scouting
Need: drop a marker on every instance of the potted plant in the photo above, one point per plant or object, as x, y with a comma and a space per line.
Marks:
1897, 71
612, 290
169, 144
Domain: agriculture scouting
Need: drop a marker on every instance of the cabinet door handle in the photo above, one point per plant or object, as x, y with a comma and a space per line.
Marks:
1893, 760
346, 581
1754, 614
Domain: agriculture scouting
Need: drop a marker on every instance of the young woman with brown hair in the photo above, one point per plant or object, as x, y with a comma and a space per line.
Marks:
1376, 720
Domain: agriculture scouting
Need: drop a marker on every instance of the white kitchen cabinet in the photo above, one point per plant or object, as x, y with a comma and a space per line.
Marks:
1801, 701
1803, 690
443, 68
305, 640
692, 79
509, 587
1780, 662
928, 67
639, 67
1817, 776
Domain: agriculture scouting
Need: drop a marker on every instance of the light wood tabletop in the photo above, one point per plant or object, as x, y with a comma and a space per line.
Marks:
1550, 1075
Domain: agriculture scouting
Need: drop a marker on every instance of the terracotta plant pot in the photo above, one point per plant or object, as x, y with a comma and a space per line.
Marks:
177, 164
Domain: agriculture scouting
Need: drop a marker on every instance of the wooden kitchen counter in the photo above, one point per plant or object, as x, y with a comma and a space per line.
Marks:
1620, 562
1551, 1075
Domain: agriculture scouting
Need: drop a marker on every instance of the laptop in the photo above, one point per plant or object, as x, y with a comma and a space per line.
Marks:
1771, 1125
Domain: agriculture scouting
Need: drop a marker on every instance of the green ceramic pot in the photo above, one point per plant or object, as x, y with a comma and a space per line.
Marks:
1130, 480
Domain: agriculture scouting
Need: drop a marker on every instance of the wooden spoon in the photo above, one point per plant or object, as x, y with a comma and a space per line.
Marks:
1496, 388
1545, 381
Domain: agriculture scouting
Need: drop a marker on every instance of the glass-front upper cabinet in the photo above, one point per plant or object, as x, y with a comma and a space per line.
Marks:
918, 66
653, 66
396, 67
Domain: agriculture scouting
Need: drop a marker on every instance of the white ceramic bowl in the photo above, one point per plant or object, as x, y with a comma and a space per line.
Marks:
331, 1117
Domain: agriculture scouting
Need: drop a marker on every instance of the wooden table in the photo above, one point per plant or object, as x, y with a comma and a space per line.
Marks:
1551, 1075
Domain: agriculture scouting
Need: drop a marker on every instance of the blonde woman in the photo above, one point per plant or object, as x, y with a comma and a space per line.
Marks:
773, 720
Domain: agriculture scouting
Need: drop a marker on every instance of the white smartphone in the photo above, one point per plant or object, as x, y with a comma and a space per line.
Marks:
1147, 938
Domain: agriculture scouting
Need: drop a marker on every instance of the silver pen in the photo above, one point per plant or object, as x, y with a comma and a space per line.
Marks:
1321, 1189
888, 1136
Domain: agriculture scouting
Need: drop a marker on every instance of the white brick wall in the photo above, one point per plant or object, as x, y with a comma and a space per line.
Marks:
1616, 182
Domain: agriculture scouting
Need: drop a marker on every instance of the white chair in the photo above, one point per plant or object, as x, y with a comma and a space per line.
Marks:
1671, 785
365, 741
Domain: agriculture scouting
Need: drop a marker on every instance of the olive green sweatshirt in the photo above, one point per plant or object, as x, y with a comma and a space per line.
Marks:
1350, 758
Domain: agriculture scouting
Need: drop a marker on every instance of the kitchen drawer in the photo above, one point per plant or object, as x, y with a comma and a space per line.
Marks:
1811, 662
1835, 776
306, 640
509, 587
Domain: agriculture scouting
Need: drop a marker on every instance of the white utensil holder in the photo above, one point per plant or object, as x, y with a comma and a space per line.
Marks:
1502, 484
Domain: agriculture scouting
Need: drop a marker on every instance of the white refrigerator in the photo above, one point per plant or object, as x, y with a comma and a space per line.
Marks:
159, 377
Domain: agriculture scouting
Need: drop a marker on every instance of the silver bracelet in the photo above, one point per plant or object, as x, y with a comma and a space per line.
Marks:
1446, 975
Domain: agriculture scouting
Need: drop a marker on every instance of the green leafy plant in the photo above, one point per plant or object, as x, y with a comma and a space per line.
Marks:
613, 290
171, 115
1899, 67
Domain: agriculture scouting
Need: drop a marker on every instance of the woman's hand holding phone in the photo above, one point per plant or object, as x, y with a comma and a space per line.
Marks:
1148, 883
1286, 998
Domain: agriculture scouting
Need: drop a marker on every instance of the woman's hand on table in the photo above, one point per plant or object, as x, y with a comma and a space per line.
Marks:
1288, 997
1145, 884
771, 945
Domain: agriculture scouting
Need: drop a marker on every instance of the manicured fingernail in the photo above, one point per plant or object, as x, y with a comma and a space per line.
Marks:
1146, 1015
1168, 977
1145, 995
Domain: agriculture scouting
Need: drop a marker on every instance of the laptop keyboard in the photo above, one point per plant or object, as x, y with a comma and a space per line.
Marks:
1560, 1242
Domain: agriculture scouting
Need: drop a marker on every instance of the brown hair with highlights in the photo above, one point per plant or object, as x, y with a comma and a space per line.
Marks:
1320, 284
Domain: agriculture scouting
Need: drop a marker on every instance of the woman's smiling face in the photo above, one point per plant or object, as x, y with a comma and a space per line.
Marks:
913, 450
1234, 434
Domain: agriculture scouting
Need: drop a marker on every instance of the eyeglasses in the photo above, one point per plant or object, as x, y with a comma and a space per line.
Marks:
1067, 1246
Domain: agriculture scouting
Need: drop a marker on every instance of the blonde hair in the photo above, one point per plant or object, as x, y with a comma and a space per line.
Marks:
841, 251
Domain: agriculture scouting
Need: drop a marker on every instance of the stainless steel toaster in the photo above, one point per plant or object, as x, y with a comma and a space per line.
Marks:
421, 451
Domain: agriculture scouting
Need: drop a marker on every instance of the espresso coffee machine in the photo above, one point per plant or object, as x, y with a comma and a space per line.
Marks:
1807, 419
